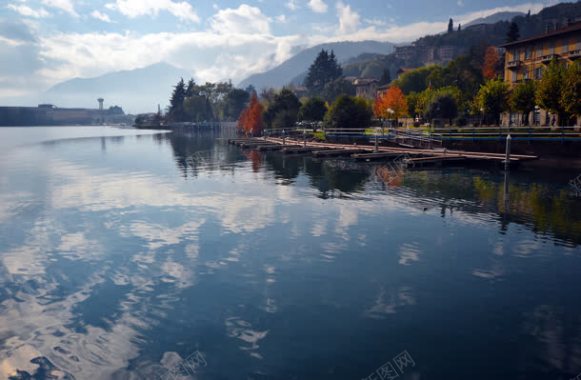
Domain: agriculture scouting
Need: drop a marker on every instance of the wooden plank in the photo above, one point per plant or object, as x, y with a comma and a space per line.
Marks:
297, 150
270, 147
376, 156
337, 152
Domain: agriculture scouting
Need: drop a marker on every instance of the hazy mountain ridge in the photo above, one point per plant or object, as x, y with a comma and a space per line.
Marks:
298, 64
139, 90
492, 19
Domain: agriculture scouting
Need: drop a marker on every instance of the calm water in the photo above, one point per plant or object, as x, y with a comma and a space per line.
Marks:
175, 256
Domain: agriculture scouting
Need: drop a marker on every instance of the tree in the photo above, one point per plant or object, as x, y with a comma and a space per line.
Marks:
385, 78
490, 65
348, 112
283, 111
324, 70
550, 89
250, 122
314, 109
391, 104
451, 26
176, 109
492, 99
413, 100
459, 27
416, 80
443, 107
197, 108
513, 32
191, 89
337, 88
522, 99
234, 103
571, 93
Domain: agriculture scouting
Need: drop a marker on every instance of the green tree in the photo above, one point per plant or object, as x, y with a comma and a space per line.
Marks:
176, 108
443, 107
234, 103
513, 32
492, 99
413, 100
571, 93
522, 99
314, 109
324, 70
349, 112
283, 111
550, 89
450, 26
385, 77
337, 88
191, 89
416, 80
198, 108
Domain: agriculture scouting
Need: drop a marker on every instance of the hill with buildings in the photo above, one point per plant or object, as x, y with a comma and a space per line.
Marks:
470, 40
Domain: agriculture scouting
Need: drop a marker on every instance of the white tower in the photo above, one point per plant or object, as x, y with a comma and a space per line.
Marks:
102, 120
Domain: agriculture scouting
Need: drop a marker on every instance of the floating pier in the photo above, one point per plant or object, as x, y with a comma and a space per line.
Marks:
413, 156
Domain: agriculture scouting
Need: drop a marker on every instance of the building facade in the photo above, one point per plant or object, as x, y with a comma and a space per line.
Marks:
527, 59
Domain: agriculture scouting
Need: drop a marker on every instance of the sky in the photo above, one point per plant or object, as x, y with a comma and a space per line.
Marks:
44, 42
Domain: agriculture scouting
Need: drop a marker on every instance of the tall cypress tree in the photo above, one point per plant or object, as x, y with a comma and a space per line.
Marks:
323, 71
176, 110
513, 33
451, 26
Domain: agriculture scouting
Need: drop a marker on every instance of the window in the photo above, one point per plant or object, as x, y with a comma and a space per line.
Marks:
539, 50
538, 73
552, 47
528, 53
513, 76
526, 74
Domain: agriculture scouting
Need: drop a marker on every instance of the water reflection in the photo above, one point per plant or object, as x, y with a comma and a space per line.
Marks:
122, 257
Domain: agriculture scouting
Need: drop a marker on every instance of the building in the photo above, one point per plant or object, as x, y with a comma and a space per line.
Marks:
47, 114
366, 87
526, 59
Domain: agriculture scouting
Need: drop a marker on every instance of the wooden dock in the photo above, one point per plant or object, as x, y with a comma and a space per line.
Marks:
412, 156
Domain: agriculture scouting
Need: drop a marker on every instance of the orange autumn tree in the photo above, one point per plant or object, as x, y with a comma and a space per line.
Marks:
490, 65
250, 122
391, 104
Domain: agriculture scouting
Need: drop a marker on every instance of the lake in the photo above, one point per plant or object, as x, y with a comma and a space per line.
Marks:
131, 254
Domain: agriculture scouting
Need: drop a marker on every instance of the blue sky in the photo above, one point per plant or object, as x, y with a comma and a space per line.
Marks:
43, 42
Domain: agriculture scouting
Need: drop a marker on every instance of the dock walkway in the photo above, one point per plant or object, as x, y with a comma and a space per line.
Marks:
370, 152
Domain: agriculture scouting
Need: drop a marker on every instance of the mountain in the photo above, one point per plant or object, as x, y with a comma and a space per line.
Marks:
492, 19
297, 65
139, 90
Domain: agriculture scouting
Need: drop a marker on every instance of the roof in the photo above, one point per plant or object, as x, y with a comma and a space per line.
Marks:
364, 81
575, 27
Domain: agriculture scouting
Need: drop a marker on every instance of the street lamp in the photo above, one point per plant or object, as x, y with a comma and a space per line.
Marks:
391, 112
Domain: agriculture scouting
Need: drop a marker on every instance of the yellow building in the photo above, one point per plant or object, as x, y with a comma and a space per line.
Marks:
527, 59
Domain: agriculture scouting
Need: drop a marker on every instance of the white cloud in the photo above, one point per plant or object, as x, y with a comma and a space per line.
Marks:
26, 11
318, 6
64, 5
349, 20
292, 5
212, 56
243, 20
138, 8
100, 16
